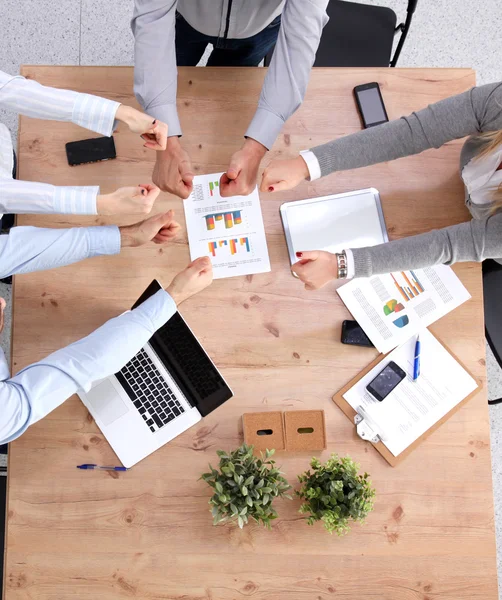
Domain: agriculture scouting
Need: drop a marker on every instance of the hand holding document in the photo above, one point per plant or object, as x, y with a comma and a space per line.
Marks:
413, 407
228, 230
392, 308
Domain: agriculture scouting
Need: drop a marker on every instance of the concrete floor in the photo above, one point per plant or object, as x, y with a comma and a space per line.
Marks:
465, 33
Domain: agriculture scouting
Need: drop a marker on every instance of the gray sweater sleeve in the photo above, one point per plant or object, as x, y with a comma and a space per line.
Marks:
470, 113
471, 241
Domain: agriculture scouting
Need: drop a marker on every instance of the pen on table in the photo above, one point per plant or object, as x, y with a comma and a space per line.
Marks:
416, 362
91, 467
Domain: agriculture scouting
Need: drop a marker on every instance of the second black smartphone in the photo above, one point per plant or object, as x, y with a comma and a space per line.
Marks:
370, 104
89, 151
353, 334
386, 381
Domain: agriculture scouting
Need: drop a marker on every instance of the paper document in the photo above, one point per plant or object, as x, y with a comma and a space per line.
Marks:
228, 230
413, 407
393, 307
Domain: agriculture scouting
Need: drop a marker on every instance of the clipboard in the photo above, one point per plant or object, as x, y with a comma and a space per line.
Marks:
334, 223
365, 432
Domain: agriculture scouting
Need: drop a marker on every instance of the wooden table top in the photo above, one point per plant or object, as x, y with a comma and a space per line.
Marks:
148, 533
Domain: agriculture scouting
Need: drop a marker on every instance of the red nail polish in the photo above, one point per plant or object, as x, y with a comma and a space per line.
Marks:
270, 189
299, 254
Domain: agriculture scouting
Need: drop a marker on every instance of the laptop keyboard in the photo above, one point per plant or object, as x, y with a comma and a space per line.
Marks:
186, 350
149, 391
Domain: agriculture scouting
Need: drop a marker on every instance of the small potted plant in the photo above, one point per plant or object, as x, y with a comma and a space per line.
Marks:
245, 487
335, 494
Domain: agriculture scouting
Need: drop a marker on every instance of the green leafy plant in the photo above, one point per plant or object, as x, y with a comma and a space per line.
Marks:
335, 494
245, 487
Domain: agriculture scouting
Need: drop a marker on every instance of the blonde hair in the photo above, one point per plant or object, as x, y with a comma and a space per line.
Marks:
492, 140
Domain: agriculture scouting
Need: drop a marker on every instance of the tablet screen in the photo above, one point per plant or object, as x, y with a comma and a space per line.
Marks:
334, 223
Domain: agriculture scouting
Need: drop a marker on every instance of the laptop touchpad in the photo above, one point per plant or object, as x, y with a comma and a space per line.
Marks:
106, 402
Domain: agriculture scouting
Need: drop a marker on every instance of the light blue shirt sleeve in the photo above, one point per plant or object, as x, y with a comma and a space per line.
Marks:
39, 388
21, 197
27, 249
32, 99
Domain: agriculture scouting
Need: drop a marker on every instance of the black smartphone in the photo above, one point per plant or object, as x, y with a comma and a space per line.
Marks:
370, 104
386, 381
353, 334
89, 151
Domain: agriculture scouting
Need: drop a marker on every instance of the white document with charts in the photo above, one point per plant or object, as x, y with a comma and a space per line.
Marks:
392, 308
228, 230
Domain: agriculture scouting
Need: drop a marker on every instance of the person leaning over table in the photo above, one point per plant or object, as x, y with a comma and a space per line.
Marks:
476, 113
38, 389
32, 99
170, 33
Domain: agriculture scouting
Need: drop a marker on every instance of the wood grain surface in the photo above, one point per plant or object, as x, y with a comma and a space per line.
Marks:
148, 533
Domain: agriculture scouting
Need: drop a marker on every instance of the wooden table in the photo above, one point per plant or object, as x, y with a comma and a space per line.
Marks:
148, 533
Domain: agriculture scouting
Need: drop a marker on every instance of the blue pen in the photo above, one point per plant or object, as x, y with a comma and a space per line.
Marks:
416, 363
91, 467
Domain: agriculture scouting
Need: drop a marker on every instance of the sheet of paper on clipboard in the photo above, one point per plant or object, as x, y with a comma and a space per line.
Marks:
333, 223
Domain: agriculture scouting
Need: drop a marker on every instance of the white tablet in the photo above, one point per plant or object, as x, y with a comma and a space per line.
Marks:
334, 223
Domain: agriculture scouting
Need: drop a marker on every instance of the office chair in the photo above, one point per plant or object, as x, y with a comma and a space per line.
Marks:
360, 35
492, 292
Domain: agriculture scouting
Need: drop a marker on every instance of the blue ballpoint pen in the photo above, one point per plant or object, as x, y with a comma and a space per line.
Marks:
416, 362
91, 467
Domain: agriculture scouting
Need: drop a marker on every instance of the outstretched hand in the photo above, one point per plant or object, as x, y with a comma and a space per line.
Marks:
159, 229
240, 177
192, 280
315, 268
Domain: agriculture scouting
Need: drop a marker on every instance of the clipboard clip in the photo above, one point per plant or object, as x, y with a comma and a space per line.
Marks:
366, 427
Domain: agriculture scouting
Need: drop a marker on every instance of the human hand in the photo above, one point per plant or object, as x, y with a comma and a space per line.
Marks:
196, 277
316, 268
137, 200
240, 178
173, 170
159, 229
284, 174
152, 131
3, 304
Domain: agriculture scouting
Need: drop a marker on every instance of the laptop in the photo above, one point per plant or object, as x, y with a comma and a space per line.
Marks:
166, 388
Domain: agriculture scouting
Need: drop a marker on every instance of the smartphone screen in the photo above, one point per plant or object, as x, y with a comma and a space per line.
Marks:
386, 381
89, 151
370, 104
353, 334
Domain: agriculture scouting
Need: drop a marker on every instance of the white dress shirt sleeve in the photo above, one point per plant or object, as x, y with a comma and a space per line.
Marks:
20, 197
312, 164
40, 388
350, 264
4, 367
28, 249
32, 99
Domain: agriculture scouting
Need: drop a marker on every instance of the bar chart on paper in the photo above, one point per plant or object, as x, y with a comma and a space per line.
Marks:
228, 230
232, 246
408, 285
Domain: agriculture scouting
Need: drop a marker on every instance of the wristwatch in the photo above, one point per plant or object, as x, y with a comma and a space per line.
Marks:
341, 259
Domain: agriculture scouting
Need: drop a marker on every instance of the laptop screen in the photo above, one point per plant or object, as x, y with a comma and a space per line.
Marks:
187, 362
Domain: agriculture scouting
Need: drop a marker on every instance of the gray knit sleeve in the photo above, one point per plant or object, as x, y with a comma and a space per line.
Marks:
469, 113
471, 241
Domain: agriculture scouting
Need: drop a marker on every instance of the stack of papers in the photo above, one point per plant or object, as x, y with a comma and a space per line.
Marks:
394, 307
228, 230
413, 407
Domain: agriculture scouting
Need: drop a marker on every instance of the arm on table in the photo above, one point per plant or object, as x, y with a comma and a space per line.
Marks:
21, 197
471, 241
32, 99
40, 388
473, 112
28, 249
155, 72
